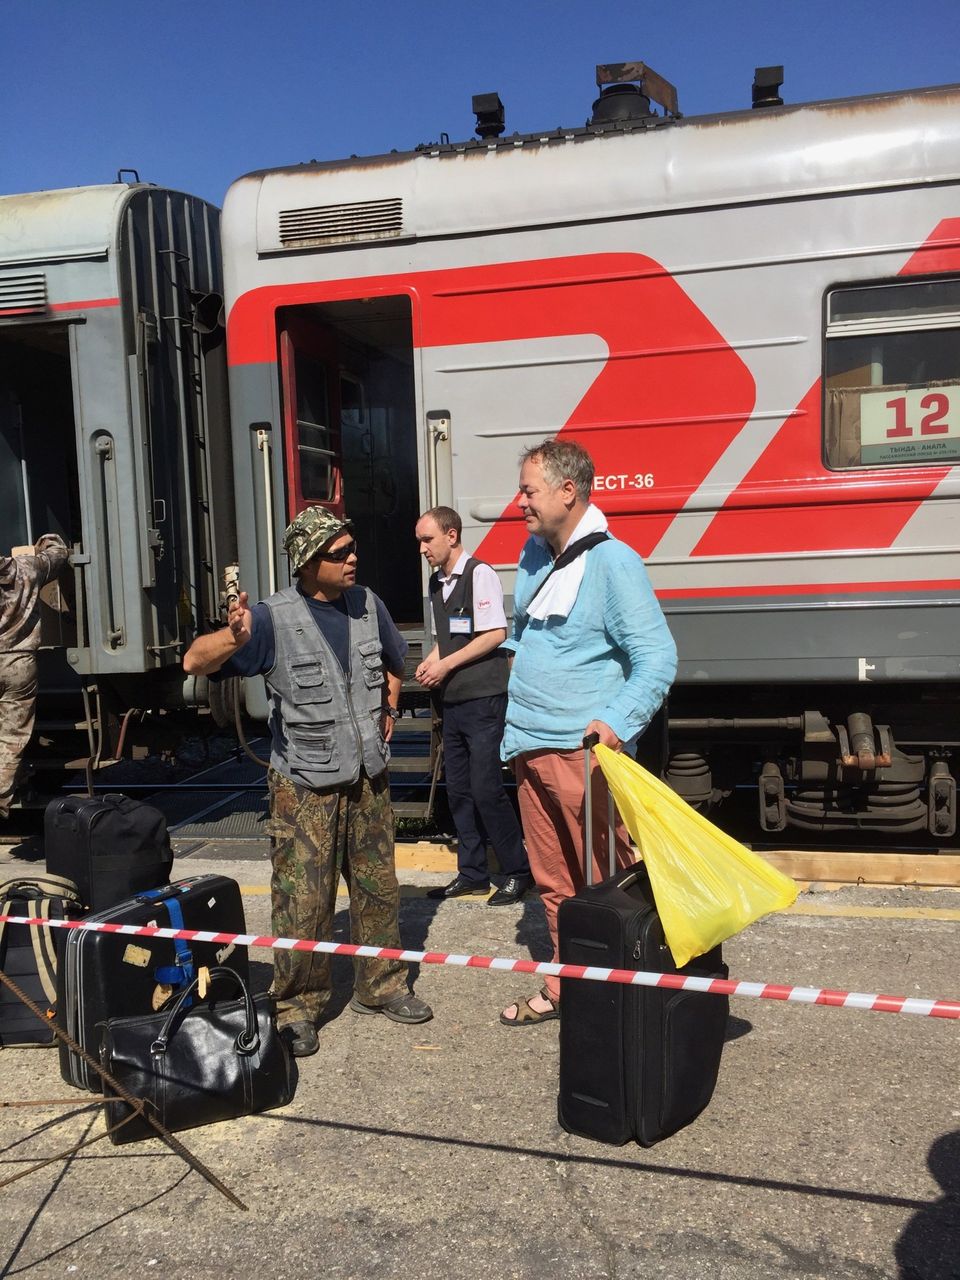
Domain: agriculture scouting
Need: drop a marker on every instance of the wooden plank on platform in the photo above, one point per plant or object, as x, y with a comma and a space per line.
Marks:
425, 855
867, 867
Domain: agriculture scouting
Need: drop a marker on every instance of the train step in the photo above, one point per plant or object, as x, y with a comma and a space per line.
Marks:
410, 764
411, 809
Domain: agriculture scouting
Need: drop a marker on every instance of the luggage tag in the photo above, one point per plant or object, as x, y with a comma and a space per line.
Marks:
161, 994
172, 977
141, 956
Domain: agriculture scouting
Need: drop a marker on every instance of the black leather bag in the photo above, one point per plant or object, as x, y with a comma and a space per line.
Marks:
213, 1061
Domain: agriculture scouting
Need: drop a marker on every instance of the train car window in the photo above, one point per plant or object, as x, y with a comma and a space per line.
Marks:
892, 375
316, 438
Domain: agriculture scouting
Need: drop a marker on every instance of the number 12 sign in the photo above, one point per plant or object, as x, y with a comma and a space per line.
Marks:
919, 424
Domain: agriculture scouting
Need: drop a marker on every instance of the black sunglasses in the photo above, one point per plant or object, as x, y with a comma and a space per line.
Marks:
341, 553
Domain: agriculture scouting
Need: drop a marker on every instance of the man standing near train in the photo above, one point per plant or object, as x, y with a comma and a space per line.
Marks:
468, 670
22, 575
592, 654
333, 663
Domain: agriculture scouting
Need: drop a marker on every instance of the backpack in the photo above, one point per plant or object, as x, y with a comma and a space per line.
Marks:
28, 953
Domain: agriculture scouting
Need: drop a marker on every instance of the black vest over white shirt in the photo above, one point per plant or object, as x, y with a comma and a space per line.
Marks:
484, 676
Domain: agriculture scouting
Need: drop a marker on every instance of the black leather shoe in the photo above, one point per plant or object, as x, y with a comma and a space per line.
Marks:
512, 890
300, 1038
459, 887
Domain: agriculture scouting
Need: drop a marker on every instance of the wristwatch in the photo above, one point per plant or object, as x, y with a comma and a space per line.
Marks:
392, 712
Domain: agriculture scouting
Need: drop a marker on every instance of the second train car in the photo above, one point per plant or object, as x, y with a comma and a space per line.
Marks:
114, 434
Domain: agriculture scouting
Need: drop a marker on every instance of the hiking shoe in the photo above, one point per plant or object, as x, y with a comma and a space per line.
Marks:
404, 1007
300, 1038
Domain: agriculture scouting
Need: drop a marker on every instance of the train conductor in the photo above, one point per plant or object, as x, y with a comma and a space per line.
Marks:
469, 671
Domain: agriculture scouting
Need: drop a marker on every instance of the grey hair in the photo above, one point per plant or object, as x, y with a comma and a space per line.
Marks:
563, 460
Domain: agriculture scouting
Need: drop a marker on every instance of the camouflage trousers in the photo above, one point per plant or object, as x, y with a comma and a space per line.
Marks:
18, 701
317, 837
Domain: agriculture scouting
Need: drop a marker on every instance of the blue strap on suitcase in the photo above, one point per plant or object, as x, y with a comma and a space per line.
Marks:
182, 971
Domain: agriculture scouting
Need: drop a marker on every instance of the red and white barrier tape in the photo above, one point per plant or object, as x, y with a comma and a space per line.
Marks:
627, 977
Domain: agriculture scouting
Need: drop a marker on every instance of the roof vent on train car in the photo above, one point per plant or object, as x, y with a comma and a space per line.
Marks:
23, 294
766, 87
626, 89
341, 223
491, 119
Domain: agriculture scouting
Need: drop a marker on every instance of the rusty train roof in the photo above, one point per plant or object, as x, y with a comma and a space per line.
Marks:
838, 107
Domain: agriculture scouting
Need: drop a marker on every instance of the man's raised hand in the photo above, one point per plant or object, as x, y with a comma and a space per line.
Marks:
240, 619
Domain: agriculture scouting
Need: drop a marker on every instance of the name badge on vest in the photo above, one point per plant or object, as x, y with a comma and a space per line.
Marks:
461, 626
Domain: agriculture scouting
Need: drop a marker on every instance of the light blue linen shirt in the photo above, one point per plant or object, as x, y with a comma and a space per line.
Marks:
612, 659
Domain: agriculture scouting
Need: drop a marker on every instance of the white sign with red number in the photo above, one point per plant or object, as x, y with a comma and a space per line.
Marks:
921, 424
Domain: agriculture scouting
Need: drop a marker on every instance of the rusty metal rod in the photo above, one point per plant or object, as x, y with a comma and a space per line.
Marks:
65, 1155
56, 1102
137, 1104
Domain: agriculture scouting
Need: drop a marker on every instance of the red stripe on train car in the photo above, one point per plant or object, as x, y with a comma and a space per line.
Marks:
642, 314
795, 451
810, 588
85, 304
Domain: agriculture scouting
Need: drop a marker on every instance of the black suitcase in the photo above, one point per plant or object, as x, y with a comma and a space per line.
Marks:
635, 1062
28, 954
111, 846
104, 975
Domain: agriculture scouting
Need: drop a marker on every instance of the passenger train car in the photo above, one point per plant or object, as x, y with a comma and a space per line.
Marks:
114, 434
751, 320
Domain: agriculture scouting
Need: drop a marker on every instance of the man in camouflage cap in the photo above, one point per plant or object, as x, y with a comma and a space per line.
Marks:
21, 577
333, 664
310, 532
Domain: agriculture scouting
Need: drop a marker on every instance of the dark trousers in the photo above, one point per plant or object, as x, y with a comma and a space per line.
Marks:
479, 804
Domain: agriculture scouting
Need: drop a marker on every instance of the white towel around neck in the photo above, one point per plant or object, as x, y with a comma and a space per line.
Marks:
560, 594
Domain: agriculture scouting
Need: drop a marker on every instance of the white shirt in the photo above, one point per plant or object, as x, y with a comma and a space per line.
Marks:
488, 613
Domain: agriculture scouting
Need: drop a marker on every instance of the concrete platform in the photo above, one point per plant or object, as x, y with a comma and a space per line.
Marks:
830, 1150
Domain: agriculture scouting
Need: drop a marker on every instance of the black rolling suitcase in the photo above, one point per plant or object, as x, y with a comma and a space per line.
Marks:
29, 954
635, 1062
111, 846
104, 975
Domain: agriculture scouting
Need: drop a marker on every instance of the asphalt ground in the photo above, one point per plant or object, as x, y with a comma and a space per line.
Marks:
831, 1147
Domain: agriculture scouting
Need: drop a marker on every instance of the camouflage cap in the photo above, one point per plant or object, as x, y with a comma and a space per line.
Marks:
310, 532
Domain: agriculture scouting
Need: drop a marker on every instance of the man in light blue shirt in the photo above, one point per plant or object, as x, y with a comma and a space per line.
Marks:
592, 654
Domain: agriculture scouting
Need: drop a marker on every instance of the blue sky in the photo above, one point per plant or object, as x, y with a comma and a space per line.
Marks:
194, 94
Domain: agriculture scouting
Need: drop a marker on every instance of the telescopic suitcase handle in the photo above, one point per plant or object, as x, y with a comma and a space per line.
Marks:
589, 742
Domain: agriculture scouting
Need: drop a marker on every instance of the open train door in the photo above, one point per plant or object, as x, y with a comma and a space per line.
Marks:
347, 372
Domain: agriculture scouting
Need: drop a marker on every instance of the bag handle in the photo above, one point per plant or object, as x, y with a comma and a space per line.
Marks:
248, 1041
45, 886
590, 741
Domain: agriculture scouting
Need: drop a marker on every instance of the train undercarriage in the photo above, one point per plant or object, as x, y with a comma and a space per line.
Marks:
828, 762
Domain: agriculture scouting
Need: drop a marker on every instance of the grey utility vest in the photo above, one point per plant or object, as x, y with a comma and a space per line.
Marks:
483, 677
325, 726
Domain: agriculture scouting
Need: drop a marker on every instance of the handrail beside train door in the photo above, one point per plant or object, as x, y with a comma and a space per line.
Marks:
263, 444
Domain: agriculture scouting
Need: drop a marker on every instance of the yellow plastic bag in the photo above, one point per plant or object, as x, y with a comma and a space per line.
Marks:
707, 886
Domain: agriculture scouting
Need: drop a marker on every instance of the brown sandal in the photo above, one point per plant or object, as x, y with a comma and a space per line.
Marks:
527, 1016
